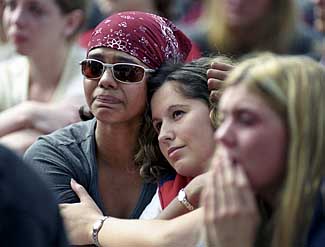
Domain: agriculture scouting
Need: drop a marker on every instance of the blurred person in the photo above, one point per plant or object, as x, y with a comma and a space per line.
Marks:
6, 50
236, 28
28, 212
41, 90
104, 154
268, 187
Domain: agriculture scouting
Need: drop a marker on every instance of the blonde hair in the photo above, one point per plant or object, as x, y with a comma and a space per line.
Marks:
294, 87
273, 33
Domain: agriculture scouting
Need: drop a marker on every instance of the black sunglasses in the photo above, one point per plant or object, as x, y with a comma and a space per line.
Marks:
123, 72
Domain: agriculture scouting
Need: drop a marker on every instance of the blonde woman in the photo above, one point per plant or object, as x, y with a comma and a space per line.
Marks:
239, 27
271, 138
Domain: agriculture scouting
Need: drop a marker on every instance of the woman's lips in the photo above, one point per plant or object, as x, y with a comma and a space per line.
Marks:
108, 99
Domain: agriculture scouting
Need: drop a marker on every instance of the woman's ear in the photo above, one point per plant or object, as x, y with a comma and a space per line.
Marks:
74, 21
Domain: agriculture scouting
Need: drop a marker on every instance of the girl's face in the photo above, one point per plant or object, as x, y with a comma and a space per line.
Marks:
185, 133
35, 26
109, 100
252, 135
245, 13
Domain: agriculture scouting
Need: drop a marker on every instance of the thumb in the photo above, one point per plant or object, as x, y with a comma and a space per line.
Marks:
80, 191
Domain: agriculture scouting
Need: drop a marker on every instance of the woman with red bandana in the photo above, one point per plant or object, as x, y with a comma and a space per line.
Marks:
103, 154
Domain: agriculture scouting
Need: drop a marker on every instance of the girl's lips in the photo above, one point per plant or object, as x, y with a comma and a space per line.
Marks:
171, 151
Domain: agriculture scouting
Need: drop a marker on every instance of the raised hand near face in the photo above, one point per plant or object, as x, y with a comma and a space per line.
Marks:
231, 214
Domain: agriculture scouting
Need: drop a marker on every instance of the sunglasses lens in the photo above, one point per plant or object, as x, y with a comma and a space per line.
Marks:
91, 69
128, 73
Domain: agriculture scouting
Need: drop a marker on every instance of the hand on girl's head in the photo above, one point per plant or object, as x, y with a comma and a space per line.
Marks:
216, 77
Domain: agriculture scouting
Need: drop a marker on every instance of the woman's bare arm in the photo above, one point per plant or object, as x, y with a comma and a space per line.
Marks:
80, 217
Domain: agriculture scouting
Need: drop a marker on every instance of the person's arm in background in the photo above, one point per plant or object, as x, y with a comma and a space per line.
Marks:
181, 231
22, 124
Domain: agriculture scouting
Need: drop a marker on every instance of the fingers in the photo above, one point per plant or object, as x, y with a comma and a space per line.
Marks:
246, 194
209, 201
217, 74
80, 191
221, 66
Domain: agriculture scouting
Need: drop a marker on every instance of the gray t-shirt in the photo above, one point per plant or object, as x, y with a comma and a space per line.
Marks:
71, 153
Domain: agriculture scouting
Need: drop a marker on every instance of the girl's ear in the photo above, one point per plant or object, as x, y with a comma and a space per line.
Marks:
74, 21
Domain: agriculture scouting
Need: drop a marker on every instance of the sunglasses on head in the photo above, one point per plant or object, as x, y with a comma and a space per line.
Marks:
123, 72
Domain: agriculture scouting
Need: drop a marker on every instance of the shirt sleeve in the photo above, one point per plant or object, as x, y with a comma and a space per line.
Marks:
55, 168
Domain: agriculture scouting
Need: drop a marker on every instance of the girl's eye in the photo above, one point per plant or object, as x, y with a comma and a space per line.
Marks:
157, 126
178, 114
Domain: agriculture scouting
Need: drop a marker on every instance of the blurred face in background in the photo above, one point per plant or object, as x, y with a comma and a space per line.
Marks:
319, 15
245, 13
34, 25
114, 6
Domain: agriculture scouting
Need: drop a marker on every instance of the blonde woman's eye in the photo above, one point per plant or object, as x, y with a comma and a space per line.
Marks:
246, 118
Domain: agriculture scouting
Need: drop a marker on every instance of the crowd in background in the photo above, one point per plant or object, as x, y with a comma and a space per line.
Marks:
44, 100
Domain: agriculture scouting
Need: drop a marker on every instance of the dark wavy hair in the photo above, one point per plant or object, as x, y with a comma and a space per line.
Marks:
191, 81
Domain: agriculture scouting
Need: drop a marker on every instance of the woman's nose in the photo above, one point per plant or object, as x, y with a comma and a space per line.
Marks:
225, 134
107, 80
165, 134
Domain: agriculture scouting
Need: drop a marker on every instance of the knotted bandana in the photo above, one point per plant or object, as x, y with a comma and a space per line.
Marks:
150, 38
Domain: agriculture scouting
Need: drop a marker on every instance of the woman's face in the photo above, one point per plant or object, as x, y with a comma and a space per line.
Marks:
245, 13
252, 135
185, 133
34, 26
109, 100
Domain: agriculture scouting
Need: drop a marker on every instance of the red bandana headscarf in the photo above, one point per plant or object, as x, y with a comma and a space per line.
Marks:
150, 38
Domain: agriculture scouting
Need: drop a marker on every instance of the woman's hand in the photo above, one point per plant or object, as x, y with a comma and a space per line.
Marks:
231, 214
80, 217
216, 76
195, 187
